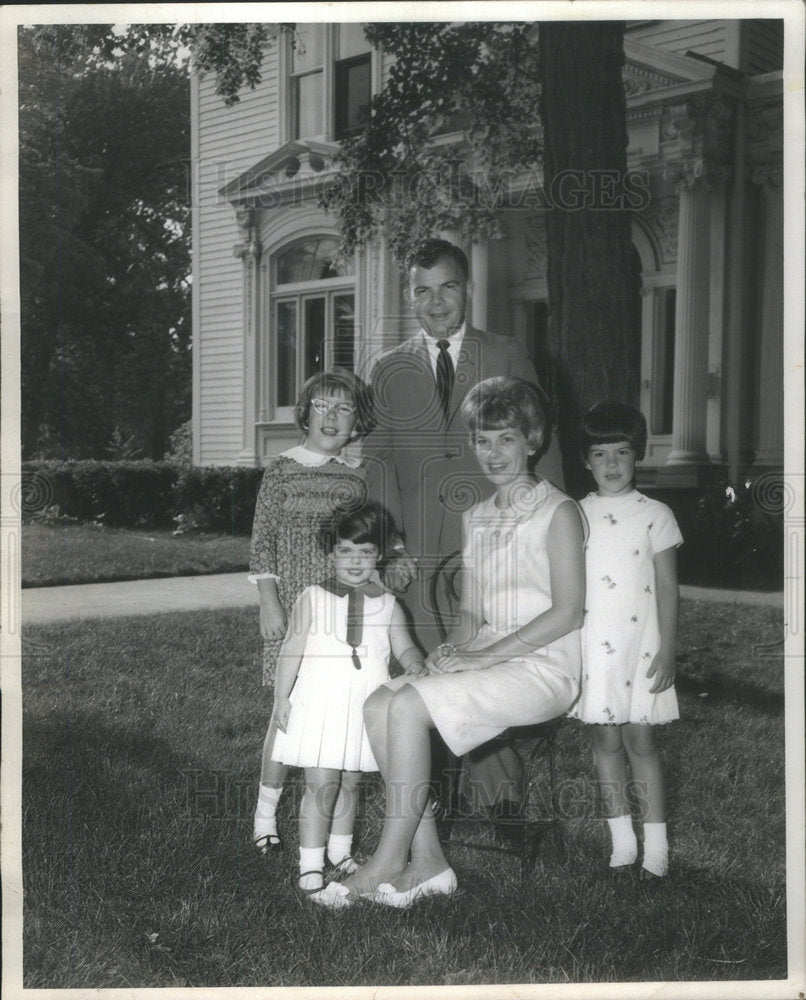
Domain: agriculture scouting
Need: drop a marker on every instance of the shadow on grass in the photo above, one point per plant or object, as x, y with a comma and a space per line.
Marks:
730, 691
116, 775
142, 743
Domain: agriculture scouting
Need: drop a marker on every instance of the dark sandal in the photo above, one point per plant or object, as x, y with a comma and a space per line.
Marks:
310, 892
345, 867
269, 843
617, 872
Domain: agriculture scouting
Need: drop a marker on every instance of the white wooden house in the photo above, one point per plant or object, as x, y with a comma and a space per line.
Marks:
706, 134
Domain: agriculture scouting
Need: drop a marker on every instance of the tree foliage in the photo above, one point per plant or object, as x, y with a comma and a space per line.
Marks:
477, 82
466, 106
104, 209
233, 52
104, 246
477, 79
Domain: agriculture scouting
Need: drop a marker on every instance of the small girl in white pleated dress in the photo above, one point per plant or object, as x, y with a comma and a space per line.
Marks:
629, 634
335, 654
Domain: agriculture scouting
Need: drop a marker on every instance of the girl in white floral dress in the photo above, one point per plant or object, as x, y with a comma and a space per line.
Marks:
629, 634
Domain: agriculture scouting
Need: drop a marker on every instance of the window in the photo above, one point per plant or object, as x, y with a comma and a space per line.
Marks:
353, 91
307, 81
660, 421
536, 328
657, 317
312, 318
536, 342
330, 81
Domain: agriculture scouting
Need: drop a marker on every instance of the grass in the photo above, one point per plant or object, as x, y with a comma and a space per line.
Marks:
141, 745
64, 553
81, 553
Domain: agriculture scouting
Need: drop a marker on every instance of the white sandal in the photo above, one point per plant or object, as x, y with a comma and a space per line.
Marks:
334, 896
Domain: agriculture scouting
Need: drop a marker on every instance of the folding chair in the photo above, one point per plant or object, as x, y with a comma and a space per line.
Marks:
533, 747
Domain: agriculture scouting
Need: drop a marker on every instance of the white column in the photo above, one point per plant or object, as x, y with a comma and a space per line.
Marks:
479, 268
249, 253
771, 360
691, 322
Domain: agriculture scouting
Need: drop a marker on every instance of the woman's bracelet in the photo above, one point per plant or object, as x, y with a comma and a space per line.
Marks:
447, 648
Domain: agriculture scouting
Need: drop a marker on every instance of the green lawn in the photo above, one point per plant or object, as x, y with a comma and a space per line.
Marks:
141, 745
80, 553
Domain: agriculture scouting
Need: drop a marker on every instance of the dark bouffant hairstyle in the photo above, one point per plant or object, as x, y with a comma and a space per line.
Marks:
368, 523
427, 253
335, 382
502, 402
608, 423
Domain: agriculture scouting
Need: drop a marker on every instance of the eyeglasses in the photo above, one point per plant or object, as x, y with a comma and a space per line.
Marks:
322, 406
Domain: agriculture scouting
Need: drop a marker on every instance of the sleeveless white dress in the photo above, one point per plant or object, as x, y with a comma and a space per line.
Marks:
326, 724
505, 551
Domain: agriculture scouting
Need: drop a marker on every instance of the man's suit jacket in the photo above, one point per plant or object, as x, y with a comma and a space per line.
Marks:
422, 468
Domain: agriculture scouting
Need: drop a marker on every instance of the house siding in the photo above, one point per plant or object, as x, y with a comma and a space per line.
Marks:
706, 38
228, 141
764, 46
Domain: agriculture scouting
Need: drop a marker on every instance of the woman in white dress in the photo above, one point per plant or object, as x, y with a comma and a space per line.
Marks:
514, 658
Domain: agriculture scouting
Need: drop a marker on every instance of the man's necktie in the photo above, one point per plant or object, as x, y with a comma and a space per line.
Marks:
444, 375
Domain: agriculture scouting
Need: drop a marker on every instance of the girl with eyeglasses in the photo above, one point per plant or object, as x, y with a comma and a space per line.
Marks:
300, 490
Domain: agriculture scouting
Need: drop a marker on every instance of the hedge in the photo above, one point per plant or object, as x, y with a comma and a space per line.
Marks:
139, 494
733, 535
220, 497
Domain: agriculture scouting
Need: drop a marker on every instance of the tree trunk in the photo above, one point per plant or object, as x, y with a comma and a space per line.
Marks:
592, 279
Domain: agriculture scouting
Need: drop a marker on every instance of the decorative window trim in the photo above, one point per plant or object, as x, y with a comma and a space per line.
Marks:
287, 130
656, 279
271, 413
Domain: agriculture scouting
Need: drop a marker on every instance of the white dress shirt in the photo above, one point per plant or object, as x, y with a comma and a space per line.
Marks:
455, 346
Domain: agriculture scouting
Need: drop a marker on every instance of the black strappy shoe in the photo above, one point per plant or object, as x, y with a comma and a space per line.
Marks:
310, 892
269, 843
347, 866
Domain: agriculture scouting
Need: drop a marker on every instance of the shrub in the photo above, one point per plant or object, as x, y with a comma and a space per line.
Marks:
123, 493
220, 497
738, 537
180, 445
138, 494
732, 534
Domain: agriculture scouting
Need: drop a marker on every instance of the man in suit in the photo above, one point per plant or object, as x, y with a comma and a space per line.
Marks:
421, 464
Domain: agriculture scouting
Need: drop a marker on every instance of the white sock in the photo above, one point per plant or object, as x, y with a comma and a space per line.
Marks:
625, 845
266, 811
338, 847
656, 849
312, 860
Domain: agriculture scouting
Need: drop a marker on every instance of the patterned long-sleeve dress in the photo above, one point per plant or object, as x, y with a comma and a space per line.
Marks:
294, 501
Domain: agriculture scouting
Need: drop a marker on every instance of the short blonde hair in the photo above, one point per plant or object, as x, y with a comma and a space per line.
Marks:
505, 401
